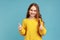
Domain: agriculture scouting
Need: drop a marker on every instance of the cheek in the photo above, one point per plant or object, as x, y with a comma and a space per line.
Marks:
30, 11
35, 12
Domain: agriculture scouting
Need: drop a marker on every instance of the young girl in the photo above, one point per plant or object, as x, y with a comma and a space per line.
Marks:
32, 26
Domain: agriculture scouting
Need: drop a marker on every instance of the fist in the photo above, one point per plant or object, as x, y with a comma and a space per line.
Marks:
19, 26
41, 26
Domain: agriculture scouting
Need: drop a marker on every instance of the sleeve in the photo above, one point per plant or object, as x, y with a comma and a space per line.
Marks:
23, 31
43, 31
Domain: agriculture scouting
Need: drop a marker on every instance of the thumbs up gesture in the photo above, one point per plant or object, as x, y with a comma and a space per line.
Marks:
41, 26
19, 26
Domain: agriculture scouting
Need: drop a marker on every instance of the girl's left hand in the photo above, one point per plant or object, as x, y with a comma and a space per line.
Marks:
41, 26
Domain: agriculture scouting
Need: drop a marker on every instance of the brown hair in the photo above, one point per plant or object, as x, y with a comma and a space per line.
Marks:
38, 15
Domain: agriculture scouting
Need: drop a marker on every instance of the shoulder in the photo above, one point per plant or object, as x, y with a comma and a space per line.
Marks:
41, 20
25, 19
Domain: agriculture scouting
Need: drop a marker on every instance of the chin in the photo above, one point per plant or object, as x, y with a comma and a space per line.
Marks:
32, 16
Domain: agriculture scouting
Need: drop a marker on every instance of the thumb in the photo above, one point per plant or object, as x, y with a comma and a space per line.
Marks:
19, 24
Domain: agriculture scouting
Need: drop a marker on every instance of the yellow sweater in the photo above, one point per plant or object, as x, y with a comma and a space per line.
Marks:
29, 30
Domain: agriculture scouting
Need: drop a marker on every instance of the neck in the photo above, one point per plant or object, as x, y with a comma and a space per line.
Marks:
31, 17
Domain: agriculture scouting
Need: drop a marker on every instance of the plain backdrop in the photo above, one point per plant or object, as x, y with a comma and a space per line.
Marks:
13, 12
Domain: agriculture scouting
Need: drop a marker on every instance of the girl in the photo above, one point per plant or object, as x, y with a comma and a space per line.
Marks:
32, 26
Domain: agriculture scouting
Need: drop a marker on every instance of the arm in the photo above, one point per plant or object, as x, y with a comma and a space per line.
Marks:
23, 28
42, 29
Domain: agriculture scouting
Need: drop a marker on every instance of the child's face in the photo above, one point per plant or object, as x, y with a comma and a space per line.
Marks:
33, 11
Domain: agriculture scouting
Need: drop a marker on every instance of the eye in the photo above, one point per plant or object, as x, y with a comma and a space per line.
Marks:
31, 10
34, 10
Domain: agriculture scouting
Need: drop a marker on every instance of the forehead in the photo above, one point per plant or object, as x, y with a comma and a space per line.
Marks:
33, 7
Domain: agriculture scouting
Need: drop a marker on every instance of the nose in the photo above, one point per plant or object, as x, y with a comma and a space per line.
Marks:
33, 11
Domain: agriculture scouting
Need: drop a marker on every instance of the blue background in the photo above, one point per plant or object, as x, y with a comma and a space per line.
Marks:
14, 11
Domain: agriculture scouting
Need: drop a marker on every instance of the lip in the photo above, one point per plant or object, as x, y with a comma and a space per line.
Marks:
32, 13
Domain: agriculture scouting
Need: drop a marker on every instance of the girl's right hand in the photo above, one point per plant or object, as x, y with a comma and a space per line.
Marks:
19, 26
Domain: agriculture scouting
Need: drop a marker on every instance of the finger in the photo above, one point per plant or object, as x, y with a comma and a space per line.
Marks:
19, 24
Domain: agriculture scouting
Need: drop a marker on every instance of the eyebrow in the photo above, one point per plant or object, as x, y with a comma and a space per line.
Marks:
31, 9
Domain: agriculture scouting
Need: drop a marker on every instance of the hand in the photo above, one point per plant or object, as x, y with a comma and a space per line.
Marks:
41, 26
19, 26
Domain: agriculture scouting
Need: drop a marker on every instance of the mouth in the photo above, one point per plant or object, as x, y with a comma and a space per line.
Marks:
32, 13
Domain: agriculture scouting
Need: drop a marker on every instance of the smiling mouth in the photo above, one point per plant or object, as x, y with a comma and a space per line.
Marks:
32, 13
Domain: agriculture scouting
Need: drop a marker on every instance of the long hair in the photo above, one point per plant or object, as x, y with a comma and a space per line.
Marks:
37, 16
